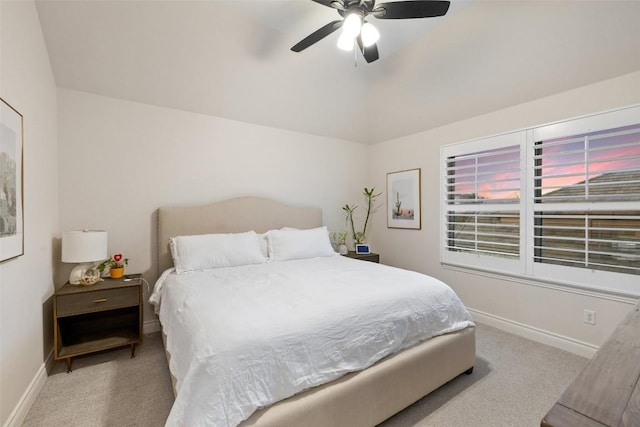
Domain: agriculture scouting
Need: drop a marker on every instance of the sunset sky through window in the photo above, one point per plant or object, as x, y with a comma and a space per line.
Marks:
563, 163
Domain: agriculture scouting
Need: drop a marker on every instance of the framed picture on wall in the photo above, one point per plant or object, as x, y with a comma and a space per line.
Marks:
11, 217
403, 199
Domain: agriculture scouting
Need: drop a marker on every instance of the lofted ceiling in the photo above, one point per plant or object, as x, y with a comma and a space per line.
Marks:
231, 59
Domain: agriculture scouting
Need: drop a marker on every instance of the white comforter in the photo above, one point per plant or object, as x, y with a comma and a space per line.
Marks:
242, 338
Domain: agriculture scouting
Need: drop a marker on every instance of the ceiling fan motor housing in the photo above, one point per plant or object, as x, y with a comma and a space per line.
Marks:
363, 8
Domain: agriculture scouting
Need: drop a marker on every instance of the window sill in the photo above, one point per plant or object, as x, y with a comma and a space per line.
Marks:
557, 286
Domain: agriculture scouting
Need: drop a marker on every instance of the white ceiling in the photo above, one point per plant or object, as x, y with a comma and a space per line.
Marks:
231, 59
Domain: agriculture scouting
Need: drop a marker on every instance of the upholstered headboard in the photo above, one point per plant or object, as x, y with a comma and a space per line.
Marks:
229, 216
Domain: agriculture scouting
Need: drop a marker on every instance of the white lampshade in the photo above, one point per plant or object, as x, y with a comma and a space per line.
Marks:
369, 34
85, 247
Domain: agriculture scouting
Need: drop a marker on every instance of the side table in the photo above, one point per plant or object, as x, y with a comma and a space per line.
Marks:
106, 315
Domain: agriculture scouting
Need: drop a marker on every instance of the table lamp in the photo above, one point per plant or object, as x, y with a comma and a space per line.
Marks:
86, 247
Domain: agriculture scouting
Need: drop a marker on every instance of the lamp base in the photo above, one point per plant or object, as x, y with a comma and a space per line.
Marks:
84, 274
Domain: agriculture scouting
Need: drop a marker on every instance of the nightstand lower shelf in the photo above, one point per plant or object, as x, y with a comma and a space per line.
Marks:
98, 342
88, 333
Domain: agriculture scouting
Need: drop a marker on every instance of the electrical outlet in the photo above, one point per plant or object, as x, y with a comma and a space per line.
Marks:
589, 317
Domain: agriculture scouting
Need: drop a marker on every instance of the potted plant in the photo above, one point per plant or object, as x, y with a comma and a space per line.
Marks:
359, 236
115, 264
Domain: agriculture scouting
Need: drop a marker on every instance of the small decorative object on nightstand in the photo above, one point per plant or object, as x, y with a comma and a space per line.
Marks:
364, 257
362, 249
104, 316
340, 239
115, 264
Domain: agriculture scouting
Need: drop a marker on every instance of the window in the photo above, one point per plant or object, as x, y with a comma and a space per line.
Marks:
490, 232
482, 202
559, 203
479, 186
593, 167
598, 240
596, 169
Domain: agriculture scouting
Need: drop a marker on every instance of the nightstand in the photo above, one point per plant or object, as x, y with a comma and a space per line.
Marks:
364, 257
87, 319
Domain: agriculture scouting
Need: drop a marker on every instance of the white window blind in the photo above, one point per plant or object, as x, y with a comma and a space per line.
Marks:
587, 200
558, 203
491, 233
485, 177
598, 240
482, 200
598, 167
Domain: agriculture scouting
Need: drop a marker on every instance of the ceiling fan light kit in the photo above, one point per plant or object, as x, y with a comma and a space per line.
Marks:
355, 28
352, 28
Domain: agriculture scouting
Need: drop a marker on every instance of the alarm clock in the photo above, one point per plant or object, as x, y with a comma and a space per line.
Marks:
362, 248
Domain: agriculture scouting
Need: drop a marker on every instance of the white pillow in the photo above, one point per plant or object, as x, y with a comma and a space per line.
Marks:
287, 244
205, 251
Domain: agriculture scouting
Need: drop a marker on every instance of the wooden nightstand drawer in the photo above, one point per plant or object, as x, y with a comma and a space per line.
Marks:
88, 302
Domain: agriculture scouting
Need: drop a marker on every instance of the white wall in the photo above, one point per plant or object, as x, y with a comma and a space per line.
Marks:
26, 283
121, 160
544, 313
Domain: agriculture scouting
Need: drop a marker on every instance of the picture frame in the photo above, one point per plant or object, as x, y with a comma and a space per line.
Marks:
11, 182
404, 199
362, 248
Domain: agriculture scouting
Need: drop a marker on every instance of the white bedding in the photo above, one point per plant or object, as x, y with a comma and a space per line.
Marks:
241, 338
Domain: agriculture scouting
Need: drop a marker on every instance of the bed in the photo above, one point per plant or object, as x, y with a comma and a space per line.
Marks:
362, 393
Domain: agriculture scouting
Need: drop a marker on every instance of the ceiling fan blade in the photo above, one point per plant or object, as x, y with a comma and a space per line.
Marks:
336, 4
370, 53
411, 9
317, 35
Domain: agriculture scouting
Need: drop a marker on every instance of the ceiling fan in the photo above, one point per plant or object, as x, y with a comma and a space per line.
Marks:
357, 30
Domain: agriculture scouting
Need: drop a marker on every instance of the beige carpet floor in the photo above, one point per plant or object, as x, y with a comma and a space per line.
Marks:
514, 383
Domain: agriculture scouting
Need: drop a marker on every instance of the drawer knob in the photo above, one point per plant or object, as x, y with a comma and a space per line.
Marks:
96, 301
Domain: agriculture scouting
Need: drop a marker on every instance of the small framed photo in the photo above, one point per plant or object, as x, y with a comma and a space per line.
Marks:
362, 248
403, 199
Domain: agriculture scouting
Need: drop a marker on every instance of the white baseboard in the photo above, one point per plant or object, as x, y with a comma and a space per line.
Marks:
19, 413
49, 361
151, 326
535, 334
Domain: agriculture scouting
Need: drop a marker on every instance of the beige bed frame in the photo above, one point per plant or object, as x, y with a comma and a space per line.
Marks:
363, 398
